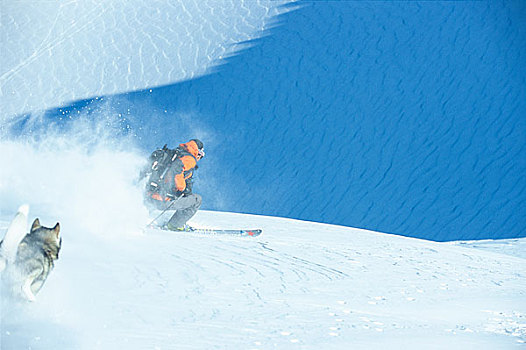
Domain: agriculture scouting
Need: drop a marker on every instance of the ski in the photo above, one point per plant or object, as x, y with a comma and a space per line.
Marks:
206, 231
210, 231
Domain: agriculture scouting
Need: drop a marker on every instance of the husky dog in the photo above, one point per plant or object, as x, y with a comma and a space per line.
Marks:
27, 259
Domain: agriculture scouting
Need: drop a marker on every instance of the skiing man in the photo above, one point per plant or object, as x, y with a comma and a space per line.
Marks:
170, 182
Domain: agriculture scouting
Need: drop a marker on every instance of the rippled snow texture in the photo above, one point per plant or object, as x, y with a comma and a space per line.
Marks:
59, 51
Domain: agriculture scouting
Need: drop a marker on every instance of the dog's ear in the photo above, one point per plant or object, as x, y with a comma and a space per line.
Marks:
36, 225
57, 229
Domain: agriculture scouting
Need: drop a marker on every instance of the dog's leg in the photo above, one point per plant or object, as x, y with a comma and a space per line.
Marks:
38, 282
37, 269
26, 289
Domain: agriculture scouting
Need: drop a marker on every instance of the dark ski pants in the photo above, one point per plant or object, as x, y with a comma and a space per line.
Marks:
185, 208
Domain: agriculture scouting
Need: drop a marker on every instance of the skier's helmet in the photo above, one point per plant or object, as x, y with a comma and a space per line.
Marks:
201, 151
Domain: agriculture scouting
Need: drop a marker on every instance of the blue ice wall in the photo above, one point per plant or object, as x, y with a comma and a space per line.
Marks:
401, 117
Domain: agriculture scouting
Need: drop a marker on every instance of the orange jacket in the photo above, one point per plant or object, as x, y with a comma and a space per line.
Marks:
188, 162
179, 176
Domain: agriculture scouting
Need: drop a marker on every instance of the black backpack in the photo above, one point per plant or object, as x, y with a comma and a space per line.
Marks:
160, 162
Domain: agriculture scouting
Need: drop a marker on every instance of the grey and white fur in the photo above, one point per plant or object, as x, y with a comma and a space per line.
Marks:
26, 259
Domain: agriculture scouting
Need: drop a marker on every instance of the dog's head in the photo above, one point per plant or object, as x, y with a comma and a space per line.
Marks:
50, 237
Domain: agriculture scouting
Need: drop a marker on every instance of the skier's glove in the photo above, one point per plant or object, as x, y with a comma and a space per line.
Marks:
185, 193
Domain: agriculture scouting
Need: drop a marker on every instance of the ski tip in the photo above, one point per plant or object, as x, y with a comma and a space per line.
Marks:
254, 233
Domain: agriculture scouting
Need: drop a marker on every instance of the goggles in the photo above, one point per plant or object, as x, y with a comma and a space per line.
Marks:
200, 153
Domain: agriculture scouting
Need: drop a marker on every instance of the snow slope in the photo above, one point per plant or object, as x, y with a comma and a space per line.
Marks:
56, 52
300, 285
396, 116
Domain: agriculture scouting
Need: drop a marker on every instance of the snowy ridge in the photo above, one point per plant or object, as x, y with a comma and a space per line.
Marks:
56, 52
300, 285
426, 130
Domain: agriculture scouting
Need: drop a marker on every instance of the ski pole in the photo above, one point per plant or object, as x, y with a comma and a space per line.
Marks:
167, 208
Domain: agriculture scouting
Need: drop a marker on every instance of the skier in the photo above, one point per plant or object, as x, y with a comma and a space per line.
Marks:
173, 189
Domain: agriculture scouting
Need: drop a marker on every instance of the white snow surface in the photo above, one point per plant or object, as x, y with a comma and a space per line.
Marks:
55, 52
300, 285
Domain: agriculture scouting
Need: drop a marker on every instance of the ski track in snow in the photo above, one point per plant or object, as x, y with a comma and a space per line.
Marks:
300, 285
